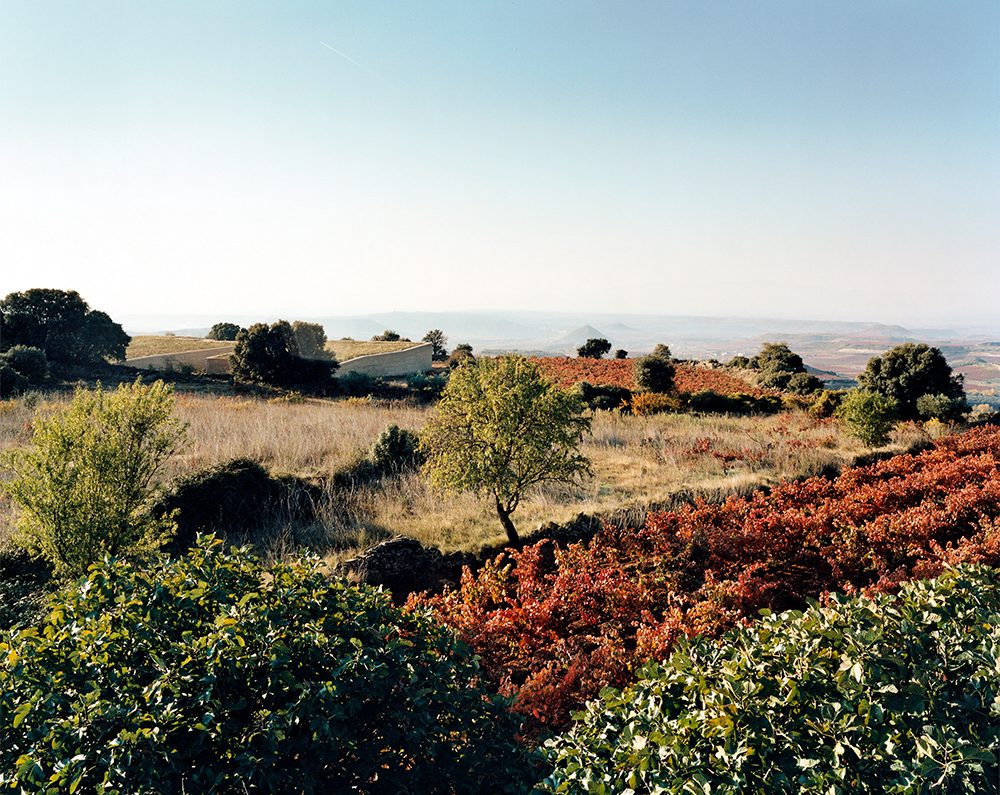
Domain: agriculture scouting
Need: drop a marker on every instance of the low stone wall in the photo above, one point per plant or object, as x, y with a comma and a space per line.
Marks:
216, 360
198, 359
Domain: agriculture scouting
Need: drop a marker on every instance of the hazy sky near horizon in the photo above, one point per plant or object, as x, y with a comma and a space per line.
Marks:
837, 159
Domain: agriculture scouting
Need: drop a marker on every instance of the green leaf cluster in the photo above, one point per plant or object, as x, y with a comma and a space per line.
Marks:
908, 372
500, 429
889, 695
211, 674
84, 488
868, 416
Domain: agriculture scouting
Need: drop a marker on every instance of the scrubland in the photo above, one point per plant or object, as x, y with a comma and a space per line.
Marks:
638, 463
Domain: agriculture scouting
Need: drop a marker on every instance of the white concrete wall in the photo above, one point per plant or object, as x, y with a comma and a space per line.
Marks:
396, 363
173, 361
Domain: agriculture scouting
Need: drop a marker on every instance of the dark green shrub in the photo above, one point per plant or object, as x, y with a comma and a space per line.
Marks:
869, 696
235, 499
11, 382
355, 384
803, 384
654, 373
29, 362
427, 387
388, 336
738, 363
621, 353
941, 407
461, 355
212, 674
395, 450
909, 371
604, 397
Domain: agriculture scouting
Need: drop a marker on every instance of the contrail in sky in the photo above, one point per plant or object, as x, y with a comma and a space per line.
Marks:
349, 59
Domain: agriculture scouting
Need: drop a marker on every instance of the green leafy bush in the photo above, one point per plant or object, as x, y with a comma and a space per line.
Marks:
907, 372
11, 381
427, 387
211, 674
84, 489
889, 695
869, 416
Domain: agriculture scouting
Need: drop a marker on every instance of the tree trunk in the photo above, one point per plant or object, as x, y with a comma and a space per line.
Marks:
508, 525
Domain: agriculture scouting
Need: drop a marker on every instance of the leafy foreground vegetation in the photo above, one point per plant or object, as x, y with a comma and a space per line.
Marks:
553, 626
211, 674
883, 695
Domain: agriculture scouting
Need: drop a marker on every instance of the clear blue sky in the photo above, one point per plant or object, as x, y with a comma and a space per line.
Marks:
836, 159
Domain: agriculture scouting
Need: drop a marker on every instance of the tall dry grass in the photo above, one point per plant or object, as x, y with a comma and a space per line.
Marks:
638, 463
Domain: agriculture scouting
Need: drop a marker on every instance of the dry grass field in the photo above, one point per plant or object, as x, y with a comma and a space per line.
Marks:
154, 345
638, 462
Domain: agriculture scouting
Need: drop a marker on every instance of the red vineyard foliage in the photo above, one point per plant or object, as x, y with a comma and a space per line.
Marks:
553, 626
566, 371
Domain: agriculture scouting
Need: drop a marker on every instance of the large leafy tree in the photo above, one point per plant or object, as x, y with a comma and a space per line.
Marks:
311, 340
270, 355
594, 348
908, 372
501, 429
62, 324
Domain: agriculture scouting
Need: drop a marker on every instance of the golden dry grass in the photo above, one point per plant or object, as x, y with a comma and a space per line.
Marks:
155, 345
638, 462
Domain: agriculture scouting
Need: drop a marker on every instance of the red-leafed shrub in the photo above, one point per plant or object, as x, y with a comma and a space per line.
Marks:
553, 626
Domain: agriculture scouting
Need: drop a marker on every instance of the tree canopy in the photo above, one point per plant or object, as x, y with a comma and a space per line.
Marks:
908, 372
501, 429
270, 355
594, 348
438, 340
224, 331
62, 325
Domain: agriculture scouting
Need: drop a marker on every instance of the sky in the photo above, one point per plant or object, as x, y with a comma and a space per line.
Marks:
829, 159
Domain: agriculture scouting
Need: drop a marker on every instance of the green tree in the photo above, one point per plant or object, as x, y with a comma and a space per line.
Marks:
311, 340
907, 372
270, 355
501, 429
621, 353
437, 338
224, 331
594, 348
214, 674
777, 356
388, 336
61, 324
654, 373
869, 416
84, 489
